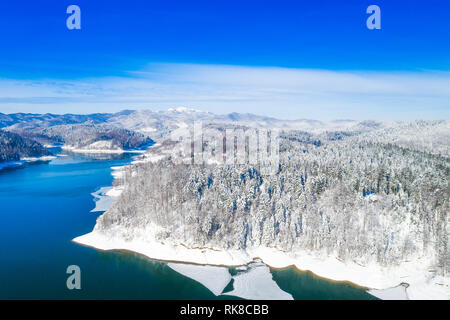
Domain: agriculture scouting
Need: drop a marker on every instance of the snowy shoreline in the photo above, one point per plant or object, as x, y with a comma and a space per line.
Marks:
22, 161
105, 151
376, 278
382, 282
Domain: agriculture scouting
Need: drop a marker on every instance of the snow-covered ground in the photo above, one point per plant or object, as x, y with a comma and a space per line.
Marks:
102, 146
421, 285
395, 293
253, 281
212, 277
107, 151
102, 200
105, 196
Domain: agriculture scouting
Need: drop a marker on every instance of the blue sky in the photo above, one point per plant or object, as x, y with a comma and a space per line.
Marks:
291, 59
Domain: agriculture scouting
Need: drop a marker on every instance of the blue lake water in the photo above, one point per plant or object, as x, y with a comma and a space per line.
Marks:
43, 206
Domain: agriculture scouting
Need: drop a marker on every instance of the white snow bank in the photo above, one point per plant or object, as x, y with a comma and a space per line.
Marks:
105, 196
147, 129
117, 172
102, 201
421, 284
395, 293
91, 149
115, 191
43, 158
212, 277
256, 283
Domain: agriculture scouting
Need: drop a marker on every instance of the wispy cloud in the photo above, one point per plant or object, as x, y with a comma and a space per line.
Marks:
280, 92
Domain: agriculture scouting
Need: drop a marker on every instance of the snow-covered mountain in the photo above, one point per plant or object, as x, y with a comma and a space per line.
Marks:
158, 125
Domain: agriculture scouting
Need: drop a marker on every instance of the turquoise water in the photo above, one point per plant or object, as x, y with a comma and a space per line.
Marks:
43, 206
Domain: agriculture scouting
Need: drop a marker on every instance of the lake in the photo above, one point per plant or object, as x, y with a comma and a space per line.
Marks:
43, 206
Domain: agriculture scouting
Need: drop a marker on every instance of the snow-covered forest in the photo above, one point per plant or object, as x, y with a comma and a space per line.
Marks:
99, 136
379, 195
14, 147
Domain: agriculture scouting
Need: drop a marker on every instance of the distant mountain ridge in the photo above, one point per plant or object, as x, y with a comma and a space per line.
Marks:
48, 119
30, 120
157, 124
133, 128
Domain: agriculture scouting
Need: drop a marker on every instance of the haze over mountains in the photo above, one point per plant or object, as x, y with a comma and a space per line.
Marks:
150, 121
132, 129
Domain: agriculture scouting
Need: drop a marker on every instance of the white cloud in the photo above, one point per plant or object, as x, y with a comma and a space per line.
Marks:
279, 92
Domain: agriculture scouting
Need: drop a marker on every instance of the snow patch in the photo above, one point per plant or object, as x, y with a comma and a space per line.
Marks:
43, 158
395, 293
99, 147
102, 200
256, 283
212, 277
370, 276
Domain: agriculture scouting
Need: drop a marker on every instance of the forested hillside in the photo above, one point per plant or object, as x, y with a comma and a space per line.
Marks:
365, 198
86, 135
13, 147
